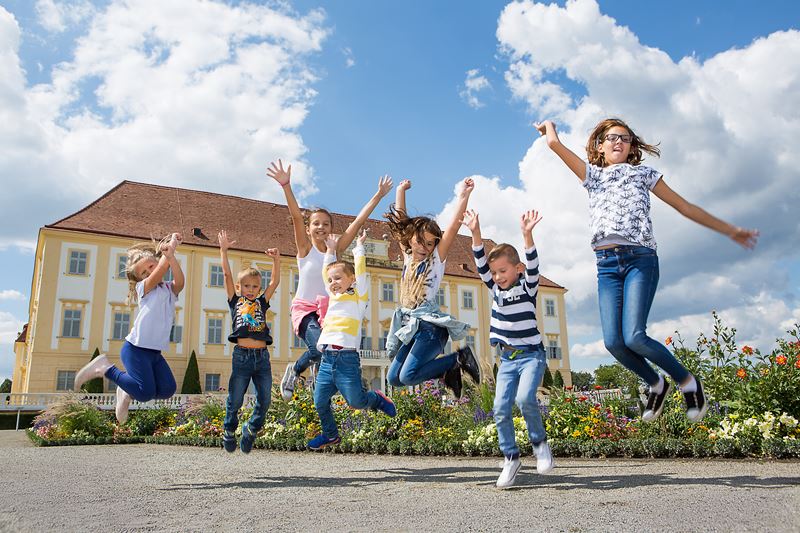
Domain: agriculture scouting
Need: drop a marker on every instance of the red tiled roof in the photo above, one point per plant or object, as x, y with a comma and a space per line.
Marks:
140, 210
23, 333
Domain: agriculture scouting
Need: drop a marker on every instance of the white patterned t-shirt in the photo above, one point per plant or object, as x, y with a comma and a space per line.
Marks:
619, 202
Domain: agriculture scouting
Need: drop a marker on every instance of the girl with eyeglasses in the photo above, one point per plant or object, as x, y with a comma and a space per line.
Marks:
627, 265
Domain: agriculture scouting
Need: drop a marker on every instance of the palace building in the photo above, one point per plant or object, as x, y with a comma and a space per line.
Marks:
78, 290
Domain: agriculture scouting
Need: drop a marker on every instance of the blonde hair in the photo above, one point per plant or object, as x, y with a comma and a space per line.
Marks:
247, 272
137, 252
347, 267
598, 134
504, 250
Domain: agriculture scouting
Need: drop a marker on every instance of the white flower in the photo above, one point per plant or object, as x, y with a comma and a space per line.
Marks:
788, 420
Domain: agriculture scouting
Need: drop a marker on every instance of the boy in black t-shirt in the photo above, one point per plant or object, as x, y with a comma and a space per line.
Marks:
250, 356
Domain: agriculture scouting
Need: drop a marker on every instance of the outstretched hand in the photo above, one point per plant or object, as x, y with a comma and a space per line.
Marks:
279, 174
224, 243
273, 253
331, 241
362, 237
541, 127
746, 238
404, 185
466, 190
470, 220
385, 185
529, 219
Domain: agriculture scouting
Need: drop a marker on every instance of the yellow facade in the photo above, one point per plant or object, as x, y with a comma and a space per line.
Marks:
46, 356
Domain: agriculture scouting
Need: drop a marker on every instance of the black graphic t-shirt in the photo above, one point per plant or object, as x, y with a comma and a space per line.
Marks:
249, 320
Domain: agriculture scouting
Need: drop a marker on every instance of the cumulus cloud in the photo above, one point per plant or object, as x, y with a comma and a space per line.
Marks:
474, 84
349, 59
57, 16
11, 294
197, 94
727, 140
10, 327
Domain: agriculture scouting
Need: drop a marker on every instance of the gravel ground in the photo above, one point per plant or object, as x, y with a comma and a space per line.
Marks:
169, 488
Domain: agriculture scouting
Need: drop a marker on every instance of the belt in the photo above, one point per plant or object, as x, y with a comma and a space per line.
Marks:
514, 352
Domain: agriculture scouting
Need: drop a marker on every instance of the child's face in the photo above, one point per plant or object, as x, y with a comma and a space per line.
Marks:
339, 281
144, 267
616, 151
421, 250
504, 272
319, 226
250, 286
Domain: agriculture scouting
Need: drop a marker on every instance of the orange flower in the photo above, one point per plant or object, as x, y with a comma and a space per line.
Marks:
568, 388
582, 398
567, 400
747, 350
741, 373
781, 359
598, 387
668, 341
797, 364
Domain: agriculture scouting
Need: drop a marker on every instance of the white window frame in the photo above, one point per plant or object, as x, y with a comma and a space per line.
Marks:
78, 261
216, 330
549, 307
120, 327
75, 329
209, 387
387, 291
65, 380
216, 274
467, 293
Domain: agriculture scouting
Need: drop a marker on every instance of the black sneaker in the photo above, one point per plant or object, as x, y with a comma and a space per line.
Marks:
696, 404
248, 438
229, 442
452, 380
655, 403
466, 359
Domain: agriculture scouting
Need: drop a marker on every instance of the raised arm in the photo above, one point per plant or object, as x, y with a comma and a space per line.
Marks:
224, 244
746, 238
284, 177
527, 222
275, 279
330, 257
400, 197
384, 186
470, 220
452, 230
360, 266
167, 258
575, 163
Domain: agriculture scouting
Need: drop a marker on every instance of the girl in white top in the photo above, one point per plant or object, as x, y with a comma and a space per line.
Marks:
310, 301
147, 374
619, 189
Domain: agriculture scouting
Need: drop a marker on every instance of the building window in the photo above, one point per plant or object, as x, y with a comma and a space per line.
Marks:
384, 337
176, 334
214, 331
440, 297
295, 282
466, 299
122, 324
77, 262
216, 277
66, 380
553, 350
297, 342
549, 307
122, 266
71, 326
387, 295
212, 383
366, 342
470, 341
266, 278
168, 276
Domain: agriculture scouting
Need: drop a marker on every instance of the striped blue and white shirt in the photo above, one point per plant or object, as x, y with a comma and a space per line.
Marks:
514, 309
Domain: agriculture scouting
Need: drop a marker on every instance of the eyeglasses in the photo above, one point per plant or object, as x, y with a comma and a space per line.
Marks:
613, 137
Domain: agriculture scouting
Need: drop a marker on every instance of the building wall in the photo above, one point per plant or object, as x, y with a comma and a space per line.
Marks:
100, 292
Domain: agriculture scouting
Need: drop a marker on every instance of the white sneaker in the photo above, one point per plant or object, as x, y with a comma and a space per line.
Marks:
288, 383
544, 458
122, 404
96, 368
509, 473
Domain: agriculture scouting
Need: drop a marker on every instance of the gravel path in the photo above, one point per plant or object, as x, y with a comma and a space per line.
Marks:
154, 488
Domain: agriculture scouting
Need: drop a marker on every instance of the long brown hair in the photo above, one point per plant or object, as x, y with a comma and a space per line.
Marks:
403, 228
597, 136
136, 253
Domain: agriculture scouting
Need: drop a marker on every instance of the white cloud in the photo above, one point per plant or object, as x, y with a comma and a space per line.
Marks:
10, 327
727, 139
349, 59
473, 85
56, 16
11, 294
190, 93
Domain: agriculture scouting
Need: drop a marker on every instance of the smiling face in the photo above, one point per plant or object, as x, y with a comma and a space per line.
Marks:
319, 226
504, 272
338, 279
422, 248
250, 286
616, 151
142, 268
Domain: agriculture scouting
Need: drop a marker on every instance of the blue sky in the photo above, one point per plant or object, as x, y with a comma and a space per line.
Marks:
389, 96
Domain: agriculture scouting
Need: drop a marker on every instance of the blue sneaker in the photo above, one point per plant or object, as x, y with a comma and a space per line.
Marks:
321, 441
229, 441
385, 404
248, 438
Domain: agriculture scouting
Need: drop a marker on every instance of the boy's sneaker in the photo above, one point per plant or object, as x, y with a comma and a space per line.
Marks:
385, 404
696, 404
655, 403
452, 380
229, 441
544, 457
122, 404
248, 438
321, 441
466, 359
288, 382
510, 468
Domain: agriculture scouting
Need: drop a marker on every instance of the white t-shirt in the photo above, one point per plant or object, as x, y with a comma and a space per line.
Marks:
310, 283
434, 275
154, 320
619, 203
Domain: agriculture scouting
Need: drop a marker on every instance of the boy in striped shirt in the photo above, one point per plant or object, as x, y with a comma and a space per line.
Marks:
514, 286
340, 368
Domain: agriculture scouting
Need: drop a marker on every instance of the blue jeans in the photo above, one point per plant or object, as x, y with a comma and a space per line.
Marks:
340, 370
309, 331
627, 277
517, 381
148, 375
416, 361
247, 364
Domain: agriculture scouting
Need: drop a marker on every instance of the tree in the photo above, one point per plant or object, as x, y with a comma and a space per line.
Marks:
558, 380
94, 386
582, 380
191, 379
547, 380
617, 376
5, 388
